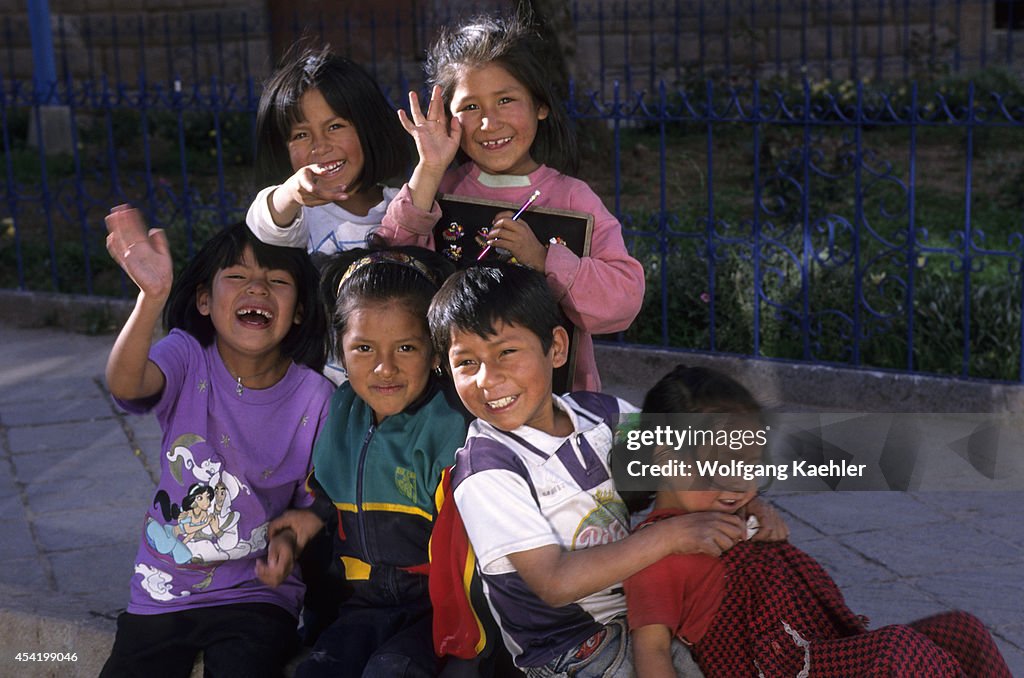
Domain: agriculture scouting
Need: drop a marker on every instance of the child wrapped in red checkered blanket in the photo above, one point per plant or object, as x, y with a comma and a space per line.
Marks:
763, 607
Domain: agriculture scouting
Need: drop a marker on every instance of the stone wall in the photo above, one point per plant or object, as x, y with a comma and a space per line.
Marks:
768, 43
119, 39
95, 37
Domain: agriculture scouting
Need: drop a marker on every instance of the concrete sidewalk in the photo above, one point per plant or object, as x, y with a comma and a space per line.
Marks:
78, 475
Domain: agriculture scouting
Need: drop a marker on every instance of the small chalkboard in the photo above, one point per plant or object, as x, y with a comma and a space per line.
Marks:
460, 234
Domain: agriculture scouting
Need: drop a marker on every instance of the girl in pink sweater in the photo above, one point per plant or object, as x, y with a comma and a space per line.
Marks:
494, 106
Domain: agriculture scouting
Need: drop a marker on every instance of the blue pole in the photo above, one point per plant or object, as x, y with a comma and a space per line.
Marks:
44, 71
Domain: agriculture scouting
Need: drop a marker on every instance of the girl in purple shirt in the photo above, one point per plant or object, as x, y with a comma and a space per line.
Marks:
237, 390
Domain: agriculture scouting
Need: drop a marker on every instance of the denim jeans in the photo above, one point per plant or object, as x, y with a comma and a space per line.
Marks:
609, 654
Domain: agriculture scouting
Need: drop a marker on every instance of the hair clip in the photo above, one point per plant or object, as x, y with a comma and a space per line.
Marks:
387, 257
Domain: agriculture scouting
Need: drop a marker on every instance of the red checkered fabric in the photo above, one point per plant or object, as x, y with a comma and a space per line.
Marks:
966, 638
782, 615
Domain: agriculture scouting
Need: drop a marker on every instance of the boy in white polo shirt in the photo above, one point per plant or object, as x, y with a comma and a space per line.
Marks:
533, 482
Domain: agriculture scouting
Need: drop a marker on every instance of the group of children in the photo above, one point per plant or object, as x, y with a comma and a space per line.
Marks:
441, 374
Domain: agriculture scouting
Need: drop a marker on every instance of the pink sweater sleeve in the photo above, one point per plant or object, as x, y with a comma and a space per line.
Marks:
406, 224
603, 292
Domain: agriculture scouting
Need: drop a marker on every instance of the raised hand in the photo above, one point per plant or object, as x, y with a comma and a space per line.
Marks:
437, 141
144, 255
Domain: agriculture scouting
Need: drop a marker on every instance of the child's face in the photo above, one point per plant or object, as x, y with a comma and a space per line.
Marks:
386, 350
252, 309
325, 138
722, 493
499, 120
505, 379
714, 499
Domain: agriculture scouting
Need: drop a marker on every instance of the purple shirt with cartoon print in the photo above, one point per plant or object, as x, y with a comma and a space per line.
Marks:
231, 460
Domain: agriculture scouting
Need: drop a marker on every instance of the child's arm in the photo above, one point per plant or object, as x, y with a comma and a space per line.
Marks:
412, 214
288, 534
437, 142
311, 186
652, 651
275, 215
303, 524
146, 258
561, 577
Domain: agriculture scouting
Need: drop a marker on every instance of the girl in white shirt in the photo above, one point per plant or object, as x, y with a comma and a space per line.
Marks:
323, 119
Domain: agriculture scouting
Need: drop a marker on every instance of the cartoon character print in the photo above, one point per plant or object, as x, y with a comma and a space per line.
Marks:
189, 518
453, 252
454, 232
202, 530
481, 237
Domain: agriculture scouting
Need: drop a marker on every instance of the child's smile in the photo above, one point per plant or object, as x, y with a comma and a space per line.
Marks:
501, 403
696, 501
255, 316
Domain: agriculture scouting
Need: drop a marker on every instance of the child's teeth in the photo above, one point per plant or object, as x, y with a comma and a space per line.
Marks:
258, 311
501, 402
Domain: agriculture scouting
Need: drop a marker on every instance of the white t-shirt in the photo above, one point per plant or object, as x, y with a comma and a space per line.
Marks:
325, 229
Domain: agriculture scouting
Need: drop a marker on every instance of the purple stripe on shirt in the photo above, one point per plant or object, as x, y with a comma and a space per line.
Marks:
541, 632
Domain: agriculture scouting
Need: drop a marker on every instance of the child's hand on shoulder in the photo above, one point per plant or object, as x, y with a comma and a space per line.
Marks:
144, 255
280, 561
437, 140
314, 185
709, 532
518, 238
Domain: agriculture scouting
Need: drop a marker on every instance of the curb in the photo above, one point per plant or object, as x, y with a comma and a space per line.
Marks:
821, 387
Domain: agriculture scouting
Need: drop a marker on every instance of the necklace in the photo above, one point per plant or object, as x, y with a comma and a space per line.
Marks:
240, 388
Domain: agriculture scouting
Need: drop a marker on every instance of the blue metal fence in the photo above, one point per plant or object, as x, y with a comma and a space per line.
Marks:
814, 218
838, 247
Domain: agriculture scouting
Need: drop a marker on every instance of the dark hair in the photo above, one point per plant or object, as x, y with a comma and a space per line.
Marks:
351, 93
699, 390
686, 390
304, 343
476, 298
514, 44
407, 274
